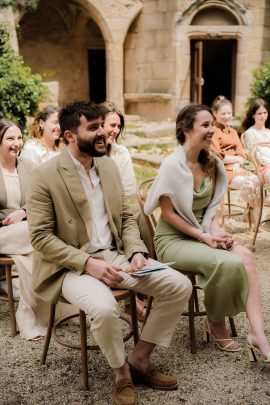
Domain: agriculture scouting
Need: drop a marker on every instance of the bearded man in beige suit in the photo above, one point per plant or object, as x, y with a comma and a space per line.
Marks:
85, 236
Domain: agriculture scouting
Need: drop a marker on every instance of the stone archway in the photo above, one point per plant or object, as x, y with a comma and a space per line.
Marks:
55, 39
61, 38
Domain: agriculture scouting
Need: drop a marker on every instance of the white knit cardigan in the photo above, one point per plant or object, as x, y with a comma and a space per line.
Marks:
175, 180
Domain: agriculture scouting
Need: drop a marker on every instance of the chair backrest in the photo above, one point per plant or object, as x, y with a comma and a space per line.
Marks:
243, 140
150, 220
256, 161
251, 152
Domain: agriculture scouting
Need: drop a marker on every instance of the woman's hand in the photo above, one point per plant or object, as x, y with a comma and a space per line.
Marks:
219, 232
213, 241
14, 217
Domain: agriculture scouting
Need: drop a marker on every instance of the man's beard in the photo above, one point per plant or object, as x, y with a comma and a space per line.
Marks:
89, 147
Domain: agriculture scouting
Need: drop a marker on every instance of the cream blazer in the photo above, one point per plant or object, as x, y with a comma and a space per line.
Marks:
59, 219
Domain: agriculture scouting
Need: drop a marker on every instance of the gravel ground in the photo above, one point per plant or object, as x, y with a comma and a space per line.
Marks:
209, 377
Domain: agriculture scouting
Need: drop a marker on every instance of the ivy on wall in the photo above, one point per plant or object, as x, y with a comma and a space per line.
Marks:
20, 90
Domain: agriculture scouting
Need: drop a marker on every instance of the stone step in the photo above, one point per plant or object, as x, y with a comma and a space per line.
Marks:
144, 158
133, 141
151, 129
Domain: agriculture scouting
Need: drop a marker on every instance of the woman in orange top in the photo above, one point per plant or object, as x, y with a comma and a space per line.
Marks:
227, 146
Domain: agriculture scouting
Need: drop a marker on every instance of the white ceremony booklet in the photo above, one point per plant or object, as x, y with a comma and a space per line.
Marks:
152, 269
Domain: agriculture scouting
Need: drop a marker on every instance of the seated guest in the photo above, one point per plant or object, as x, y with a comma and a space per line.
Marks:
43, 142
257, 129
15, 173
188, 188
86, 240
114, 125
227, 146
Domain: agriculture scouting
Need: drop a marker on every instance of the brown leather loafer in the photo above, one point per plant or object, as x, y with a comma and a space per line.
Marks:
123, 392
153, 378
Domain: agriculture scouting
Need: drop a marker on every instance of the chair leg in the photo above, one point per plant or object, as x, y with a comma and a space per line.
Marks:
10, 300
133, 313
233, 328
258, 223
83, 331
195, 293
191, 318
229, 202
48, 334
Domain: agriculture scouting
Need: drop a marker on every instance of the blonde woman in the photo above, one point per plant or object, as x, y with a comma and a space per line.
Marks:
43, 143
227, 146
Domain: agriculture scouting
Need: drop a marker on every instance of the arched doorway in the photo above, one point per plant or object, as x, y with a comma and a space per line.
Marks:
213, 60
61, 40
213, 69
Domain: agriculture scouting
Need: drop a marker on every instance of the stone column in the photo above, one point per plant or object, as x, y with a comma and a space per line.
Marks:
7, 17
115, 71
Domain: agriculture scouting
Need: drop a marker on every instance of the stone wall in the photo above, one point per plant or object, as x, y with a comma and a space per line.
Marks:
148, 47
150, 62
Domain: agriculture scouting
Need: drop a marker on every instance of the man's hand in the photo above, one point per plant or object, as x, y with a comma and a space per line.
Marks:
103, 271
14, 217
138, 261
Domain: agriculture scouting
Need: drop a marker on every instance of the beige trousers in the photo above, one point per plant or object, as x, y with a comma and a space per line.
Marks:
170, 289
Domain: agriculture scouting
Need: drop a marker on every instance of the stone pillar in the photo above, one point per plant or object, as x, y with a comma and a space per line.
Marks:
7, 17
115, 71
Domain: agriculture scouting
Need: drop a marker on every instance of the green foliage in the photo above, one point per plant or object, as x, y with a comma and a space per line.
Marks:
144, 172
20, 90
260, 87
27, 4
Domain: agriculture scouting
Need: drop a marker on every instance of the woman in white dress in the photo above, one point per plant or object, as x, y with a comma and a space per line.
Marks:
44, 144
257, 129
44, 139
15, 173
114, 124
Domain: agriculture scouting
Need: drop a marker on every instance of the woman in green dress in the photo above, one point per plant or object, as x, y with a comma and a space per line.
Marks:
188, 189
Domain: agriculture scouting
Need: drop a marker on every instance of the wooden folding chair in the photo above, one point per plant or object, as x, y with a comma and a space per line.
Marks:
119, 295
193, 305
7, 263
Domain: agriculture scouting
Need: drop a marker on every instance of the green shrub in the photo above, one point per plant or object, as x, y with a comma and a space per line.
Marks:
29, 5
20, 90
260, 87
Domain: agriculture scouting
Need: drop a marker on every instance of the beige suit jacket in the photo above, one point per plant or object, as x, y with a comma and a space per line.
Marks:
25, 168
59, 219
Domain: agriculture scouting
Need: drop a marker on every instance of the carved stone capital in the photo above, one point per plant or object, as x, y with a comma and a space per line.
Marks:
118, 8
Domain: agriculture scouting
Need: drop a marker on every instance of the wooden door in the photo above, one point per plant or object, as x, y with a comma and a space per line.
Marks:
196, 71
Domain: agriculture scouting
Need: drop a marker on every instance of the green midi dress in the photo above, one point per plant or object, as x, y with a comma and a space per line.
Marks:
222, 275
